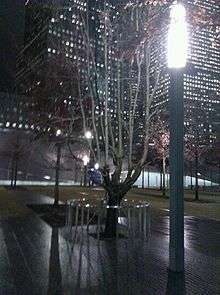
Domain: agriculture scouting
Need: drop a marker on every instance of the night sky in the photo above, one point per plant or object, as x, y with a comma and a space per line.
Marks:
11, 36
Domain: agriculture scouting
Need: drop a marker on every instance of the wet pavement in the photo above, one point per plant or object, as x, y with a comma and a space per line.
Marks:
37, 259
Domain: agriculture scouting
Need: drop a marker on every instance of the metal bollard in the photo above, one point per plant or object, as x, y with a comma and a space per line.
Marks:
70, 216
129, 218
148, 220
76, 217
82, 217
145, 221
140, 218
98, 226
87, 217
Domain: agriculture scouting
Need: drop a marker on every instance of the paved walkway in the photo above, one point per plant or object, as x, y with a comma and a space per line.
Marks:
36, 259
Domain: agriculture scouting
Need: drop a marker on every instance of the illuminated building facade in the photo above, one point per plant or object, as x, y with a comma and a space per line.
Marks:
55, 36
201, 80
52, 31
52, 40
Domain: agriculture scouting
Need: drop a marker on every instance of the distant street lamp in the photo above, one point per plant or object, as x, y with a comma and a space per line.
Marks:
85, 160
58, 132
88, 134
177, 56
96, 166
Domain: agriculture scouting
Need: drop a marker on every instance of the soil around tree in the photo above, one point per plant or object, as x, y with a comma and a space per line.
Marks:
103, 237
55, 215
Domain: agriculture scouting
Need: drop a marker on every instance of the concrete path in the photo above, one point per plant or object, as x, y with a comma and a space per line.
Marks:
36, 259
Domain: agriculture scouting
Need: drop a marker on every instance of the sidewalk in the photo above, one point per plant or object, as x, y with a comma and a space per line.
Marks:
36, 259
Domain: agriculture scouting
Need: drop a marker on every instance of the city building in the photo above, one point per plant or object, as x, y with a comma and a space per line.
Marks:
11, 36
54, 34
201, 79
54, 52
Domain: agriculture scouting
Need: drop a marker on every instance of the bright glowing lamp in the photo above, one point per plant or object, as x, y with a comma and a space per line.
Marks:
85, 160
177, 37
96, 166
88, 134
58, 132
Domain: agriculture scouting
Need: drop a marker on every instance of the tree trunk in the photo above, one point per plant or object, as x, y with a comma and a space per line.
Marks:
111, 218
12, 171
161, 180
143, 177
148, 178
76, 174
191, 176
57, 176
196, 179
81, 176
164, 176
85, 175
15, 172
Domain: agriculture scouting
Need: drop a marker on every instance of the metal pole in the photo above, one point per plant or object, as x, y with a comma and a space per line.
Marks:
145, 221
176, 246
57, 175
140, 219
148, 178
85, 175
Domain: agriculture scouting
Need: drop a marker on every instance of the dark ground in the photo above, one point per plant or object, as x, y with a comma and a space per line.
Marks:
37, 259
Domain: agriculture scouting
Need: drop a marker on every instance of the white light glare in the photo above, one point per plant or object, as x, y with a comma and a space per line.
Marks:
85, 160
96, 166
58, 132
88, 134
177, 37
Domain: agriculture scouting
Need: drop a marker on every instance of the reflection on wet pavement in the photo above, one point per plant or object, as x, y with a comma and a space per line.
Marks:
37, 259
202, 235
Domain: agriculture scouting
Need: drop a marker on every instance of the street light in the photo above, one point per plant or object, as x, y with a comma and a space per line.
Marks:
177, 37
58, 132
88, 134
177, 57
85, 160
96, 166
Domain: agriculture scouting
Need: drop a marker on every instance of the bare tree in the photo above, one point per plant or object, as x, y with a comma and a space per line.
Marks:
115, 81
121, 89
195, 147
53, 112
121, 81
161, 139
18, 146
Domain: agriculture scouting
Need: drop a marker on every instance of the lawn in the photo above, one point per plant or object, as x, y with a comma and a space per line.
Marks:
8, 205
207, 207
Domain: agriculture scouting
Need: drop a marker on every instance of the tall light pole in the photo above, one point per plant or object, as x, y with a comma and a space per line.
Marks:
177, 54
